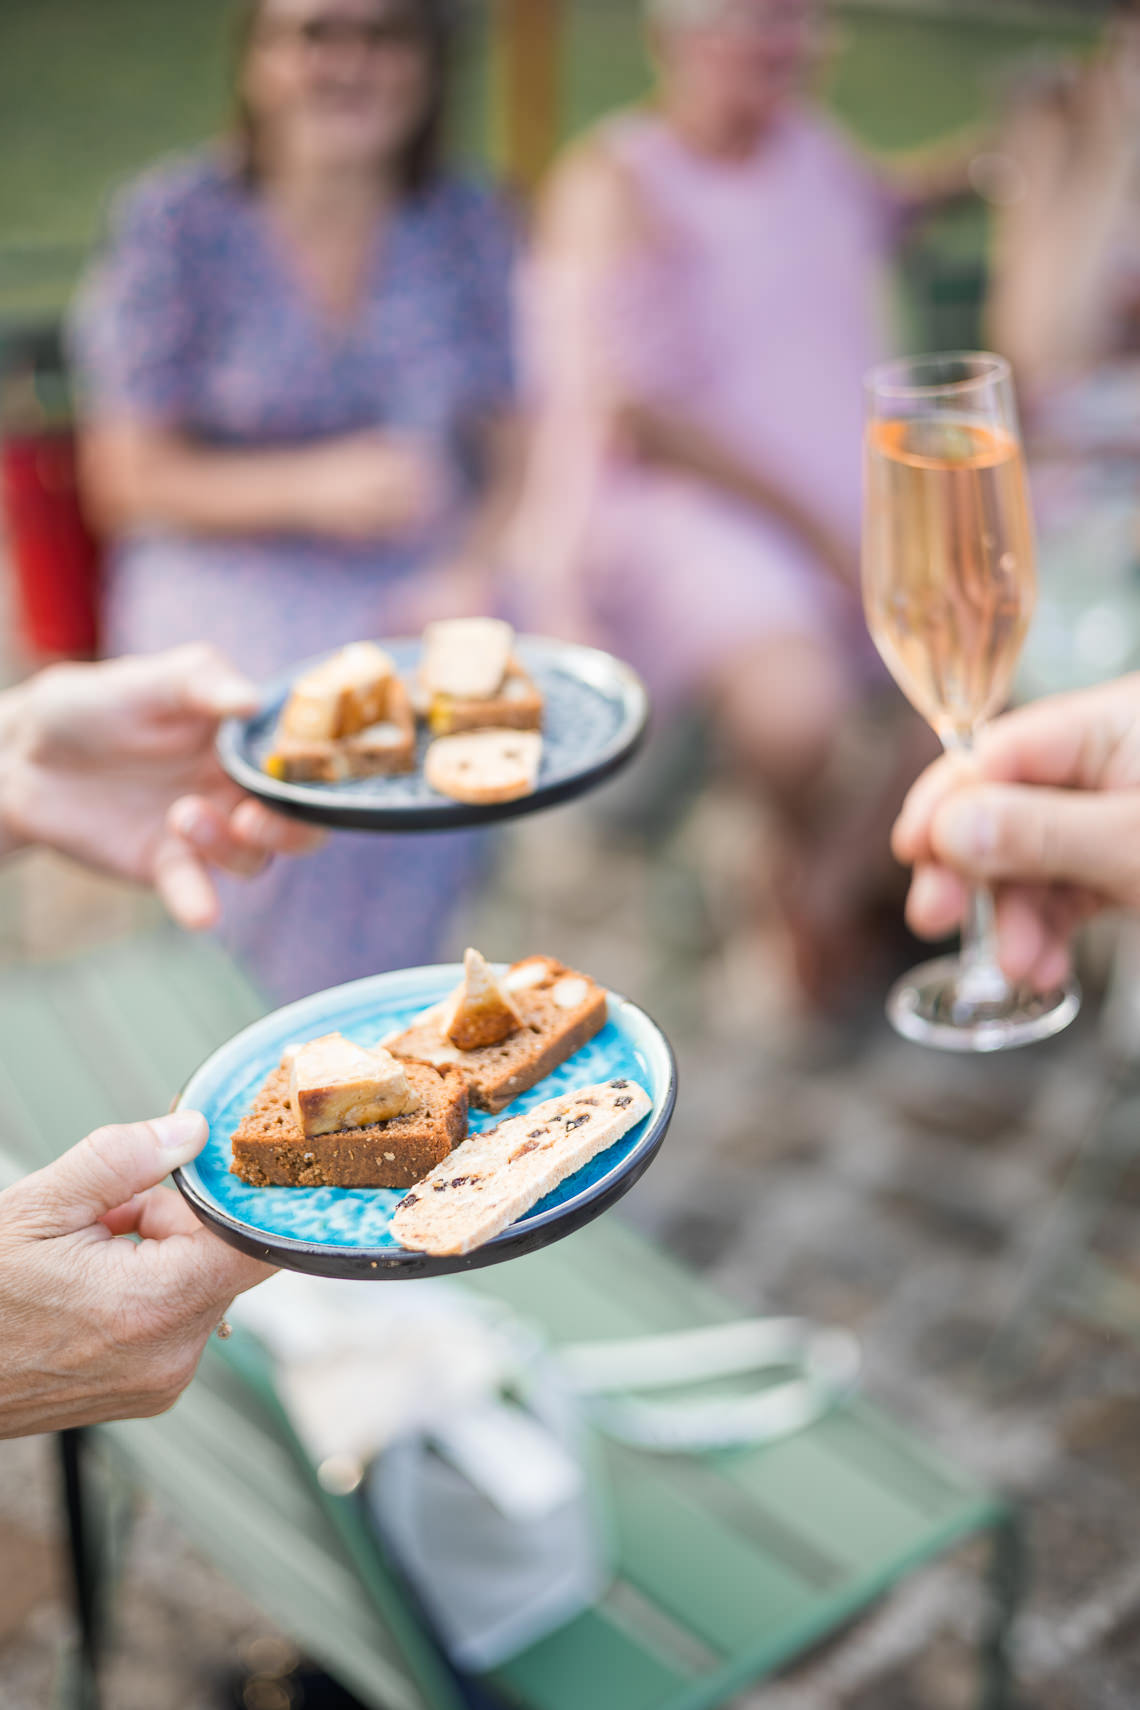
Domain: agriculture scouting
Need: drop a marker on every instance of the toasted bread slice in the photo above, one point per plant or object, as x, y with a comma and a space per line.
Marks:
300, 760
560, 1011
381, 749
269, 1149
485, 765
497, 1176
517, 704
388, 746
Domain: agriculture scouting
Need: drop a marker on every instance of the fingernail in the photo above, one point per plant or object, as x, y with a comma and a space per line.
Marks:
925, 891
187, 819
195, 823
183, 1131
965, 832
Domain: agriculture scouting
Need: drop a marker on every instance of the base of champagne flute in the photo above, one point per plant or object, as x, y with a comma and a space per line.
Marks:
929, 1006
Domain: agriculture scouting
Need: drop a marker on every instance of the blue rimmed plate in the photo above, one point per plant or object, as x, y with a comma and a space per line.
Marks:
597, 713
345, 1232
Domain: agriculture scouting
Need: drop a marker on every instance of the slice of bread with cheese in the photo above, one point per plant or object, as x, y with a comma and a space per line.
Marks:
270, 1149
470, 679
495, 1177
485, 766
341, 695
383, 746
560, 1011
516, 705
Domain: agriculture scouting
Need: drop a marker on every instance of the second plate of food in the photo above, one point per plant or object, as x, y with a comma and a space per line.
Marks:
609, 1101
578, 716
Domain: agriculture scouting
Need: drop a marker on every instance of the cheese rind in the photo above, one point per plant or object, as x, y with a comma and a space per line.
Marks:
334, 1084
478, 1012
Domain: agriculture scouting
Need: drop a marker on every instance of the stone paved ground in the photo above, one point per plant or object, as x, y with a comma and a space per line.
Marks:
839, 1174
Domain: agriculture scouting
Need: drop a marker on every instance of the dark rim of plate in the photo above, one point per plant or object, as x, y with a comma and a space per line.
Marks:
324, 803
526, 1236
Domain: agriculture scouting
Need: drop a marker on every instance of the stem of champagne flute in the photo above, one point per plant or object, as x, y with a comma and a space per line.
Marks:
982, 979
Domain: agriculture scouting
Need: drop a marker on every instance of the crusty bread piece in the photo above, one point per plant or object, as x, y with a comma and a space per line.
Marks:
466, 657
497, 1176
484, 765
297, 760
269, 1149
381, 749
389, 746
560, 1009
342, 694
517, 704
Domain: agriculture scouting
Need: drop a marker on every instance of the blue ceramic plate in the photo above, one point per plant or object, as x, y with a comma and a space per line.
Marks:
344, 1232
597, 711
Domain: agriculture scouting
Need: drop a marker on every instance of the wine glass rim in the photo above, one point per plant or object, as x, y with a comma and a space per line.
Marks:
991, 369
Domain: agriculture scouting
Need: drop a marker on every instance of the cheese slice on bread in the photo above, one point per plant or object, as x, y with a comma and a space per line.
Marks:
466, 657
383, 745
270, 1149
560, 1010
470, 679
334, 1084
497, 1176
341, 695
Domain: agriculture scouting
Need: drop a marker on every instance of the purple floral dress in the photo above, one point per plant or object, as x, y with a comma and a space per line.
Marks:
193, 317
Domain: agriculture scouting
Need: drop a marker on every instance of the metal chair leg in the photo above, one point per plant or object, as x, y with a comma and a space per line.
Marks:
1007, 1579
81, 1554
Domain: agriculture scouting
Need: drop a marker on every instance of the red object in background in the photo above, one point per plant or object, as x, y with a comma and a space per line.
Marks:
54, 555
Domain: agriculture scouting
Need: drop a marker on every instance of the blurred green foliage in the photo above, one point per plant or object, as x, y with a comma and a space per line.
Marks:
91, 90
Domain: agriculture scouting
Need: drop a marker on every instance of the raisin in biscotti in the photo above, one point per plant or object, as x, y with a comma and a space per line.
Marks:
560, 1009
269, 1149
495, 1177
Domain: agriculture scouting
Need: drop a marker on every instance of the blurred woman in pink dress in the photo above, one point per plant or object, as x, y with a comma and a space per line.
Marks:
702, 305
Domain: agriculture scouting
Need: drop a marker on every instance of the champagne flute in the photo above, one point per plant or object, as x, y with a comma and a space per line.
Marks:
949, 584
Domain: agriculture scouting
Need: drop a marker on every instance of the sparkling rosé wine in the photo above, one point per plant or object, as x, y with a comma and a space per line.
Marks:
949, 579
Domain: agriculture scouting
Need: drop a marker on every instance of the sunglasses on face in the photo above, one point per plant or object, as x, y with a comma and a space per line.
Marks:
394, 30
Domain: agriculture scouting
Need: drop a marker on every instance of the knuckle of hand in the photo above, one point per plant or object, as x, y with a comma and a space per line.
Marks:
105, 1163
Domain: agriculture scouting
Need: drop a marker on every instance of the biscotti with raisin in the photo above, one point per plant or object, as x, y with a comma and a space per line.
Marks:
497, 1176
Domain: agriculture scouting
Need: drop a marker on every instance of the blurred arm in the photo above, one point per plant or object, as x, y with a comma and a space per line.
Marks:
592, 228
1051, 305
134, 474
936, 175
675, 442
358, 486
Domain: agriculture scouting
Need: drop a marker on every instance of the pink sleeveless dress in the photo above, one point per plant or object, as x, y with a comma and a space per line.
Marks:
754, 308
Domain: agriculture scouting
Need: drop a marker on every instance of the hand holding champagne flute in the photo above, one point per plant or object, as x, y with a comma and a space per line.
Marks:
949, 586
